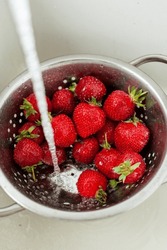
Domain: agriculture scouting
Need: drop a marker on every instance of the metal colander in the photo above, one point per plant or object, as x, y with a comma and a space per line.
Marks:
43, 197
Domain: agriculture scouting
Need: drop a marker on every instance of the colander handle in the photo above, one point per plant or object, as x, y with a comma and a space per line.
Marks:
149, 58
11, 209
146, 59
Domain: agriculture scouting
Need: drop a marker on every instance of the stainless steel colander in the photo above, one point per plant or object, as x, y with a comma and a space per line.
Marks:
42, 197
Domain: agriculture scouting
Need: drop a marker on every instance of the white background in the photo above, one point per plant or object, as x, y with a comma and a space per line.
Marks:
120, 29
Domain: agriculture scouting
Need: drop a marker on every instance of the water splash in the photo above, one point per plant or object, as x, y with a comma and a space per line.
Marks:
67, 179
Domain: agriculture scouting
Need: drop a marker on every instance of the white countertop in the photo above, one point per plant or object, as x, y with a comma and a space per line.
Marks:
120, 29
143, 228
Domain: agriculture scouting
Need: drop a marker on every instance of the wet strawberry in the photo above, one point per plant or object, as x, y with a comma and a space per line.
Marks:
120, 105
131, 135
105, 161
85, 150
64, 130
88, 119
89, 87
63, 102
47, 158
28, 155
30, 108
106, 132
92, 184
32, 131
130, 167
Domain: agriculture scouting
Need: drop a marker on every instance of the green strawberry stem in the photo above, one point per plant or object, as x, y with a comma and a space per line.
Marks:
33, 174
137, 95
94, 102
50, 117
29, 109
27, 134
39, 123
31, 129
31, 169
134, 119
101, 196
125, 168
105, 144
113, 183
72, 87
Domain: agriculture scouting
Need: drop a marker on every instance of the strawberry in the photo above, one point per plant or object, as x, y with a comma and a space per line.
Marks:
88, 119
89, 87
64, 130
106, 131
47, 158
32, 131
30, 108
63, 101
28, 155
120, 105
105, 161
85, 150
130, 167
92, 184
131, 135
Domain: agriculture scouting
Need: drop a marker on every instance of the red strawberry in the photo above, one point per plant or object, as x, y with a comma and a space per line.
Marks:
85, 150
63, 101
30, 107
89, 87
105, 161
92, 184
120, 106
130, 167
64, 130
131, 135
88, 119
106, 132
32, 131
28, 154
47, 158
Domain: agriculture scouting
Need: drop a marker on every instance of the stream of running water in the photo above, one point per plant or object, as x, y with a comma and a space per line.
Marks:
20, 10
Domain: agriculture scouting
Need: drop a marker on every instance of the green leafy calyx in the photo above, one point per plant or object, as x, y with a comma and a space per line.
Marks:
101, 196
72, 87
94, 102
125, 168
27, 134
29, 109
137, 95
134, 119
113, 183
